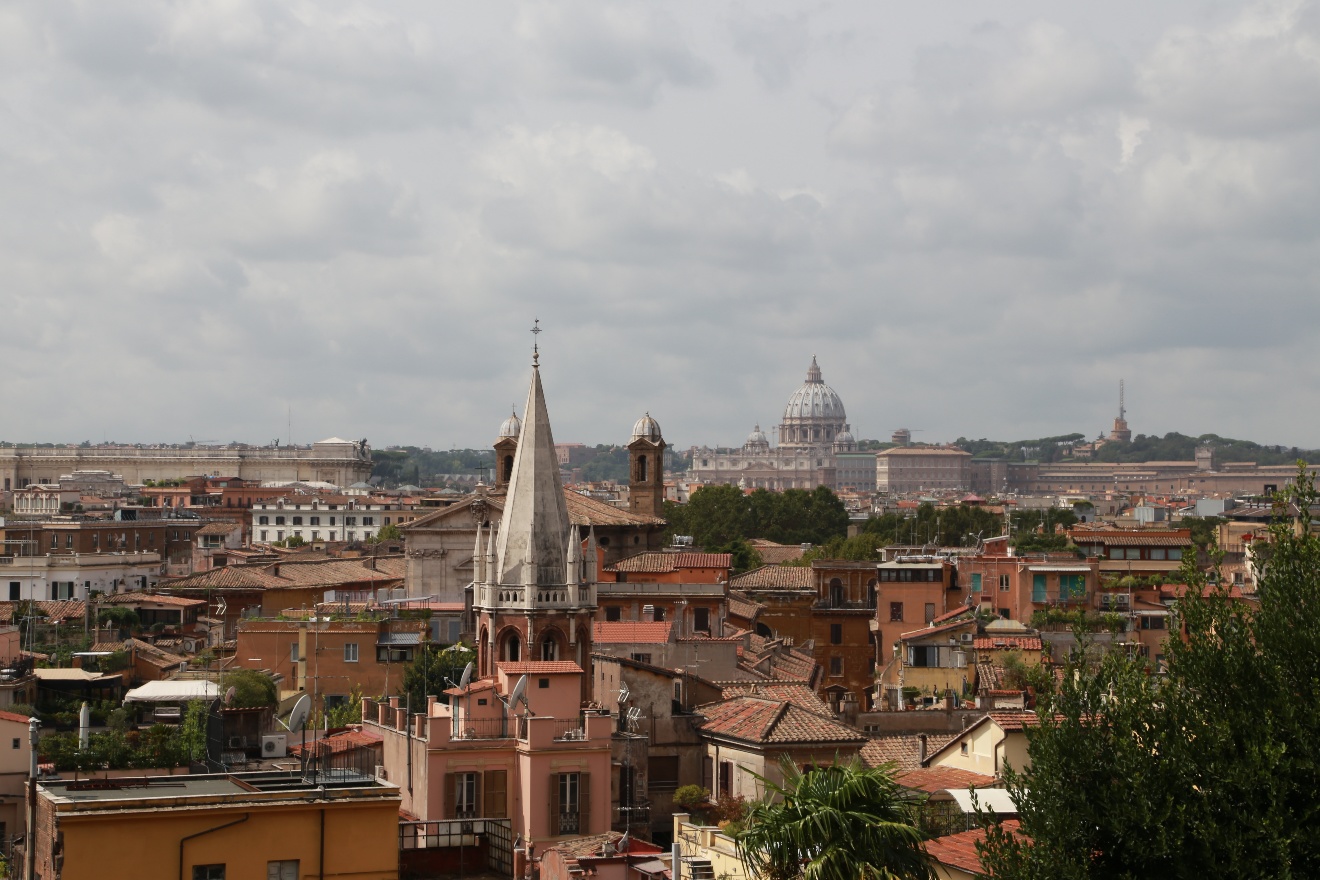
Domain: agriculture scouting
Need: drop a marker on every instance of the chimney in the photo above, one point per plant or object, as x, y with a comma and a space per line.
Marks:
921, 749
648, 613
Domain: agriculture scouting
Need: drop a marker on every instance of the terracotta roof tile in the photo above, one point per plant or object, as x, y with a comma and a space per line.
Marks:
233, 577
757, 720
959, 850
795, 692
538, 667
160, 598
663, 562
935, 630
904, 752
933, 779
631, 632
743, 607
340, 742
62, 609
13, 716
1007, 643
1015, 721
773, 554
775, 577
328, 572
219, 528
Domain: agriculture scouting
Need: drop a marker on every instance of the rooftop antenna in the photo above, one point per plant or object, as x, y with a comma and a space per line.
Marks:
1122, 410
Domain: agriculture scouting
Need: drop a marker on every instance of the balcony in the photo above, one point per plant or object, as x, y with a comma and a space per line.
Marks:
569, 730
483, 728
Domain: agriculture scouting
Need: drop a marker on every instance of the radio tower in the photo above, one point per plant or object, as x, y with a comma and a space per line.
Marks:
1121, 432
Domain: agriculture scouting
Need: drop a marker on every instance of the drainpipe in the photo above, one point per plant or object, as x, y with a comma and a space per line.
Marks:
184, 840
30, 838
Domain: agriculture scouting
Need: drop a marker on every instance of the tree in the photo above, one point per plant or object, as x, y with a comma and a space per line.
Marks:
252, 689
837, 822
431, 672
388, 532
1213, 770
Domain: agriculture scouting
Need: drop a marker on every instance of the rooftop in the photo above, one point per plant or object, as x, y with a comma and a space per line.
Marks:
230, 788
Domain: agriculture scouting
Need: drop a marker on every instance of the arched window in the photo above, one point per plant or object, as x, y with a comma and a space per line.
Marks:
836, 592
549, 649
508, 468
641, 468
512, 648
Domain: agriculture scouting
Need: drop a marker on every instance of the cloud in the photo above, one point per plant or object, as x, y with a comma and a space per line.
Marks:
776, 44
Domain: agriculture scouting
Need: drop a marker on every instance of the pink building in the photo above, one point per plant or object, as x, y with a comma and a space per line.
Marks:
521, 742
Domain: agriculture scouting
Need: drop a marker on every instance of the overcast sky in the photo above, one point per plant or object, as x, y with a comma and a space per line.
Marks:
979, 216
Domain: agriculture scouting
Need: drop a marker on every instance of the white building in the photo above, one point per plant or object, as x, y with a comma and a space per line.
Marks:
325, 518
74, 575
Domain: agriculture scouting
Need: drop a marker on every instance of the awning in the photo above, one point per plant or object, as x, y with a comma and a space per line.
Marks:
177, 691
403, 638
1068, 569
993, 800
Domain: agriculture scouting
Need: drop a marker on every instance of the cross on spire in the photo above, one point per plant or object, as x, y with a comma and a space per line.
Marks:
536, 352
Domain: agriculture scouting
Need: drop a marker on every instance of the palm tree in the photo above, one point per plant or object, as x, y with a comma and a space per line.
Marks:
840, 822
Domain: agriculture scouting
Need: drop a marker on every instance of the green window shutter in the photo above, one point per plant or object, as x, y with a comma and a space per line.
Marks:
1038, 587
976, 583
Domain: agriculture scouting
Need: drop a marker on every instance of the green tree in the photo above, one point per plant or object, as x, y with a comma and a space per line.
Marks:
837, 822
431, 672
1210, 771
388, 533
252, 688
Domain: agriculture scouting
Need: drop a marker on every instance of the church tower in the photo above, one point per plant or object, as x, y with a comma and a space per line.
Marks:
533, 595
505, 447
646, 468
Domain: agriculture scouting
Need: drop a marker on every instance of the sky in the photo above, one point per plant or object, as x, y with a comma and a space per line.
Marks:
228, 220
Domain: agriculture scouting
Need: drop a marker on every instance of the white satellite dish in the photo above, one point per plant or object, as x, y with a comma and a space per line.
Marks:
467, 677
519, 692
230, 694
298, 717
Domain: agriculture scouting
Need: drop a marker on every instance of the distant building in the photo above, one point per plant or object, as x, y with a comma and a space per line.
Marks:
814, 431
906, 469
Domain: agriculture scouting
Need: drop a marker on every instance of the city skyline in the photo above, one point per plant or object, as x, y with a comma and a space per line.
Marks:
978, 222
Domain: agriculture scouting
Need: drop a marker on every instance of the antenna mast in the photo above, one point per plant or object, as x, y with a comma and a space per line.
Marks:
1122, 410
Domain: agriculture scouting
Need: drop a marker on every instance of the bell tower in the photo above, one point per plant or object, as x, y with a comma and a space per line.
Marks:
646, 468
533, 592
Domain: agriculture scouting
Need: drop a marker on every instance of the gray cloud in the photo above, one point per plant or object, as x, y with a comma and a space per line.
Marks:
215, 213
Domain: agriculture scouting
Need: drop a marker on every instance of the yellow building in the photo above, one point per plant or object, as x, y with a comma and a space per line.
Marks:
218, 827
704, 851
985, 747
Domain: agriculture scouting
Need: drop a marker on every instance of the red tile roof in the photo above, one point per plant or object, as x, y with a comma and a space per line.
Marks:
757, 720
935, 630
538, 667
775, 577
340, 742
159, 598
13, 716
631, 632
959, 850
664, 562
790, 691
62, 609
904, 752
1014, 643
933, 779
1012, 722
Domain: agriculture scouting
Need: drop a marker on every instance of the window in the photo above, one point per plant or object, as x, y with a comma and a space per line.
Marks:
613, 612
263, 520
701, 619
293, 652
543, 683
1175, 553
208, 872
368, 520
350, 520
316, 534
332, 520
1003, 583
17, 743
726, 779
930, 612
283, 870
662, 771
571, 793
976, 583
314, 521
279, 520
642, 658
297, 520
962, 748
923, 656
15, 591
279, 535
54, 541
896, 612
836, 666
265, 535
350, 652
465, 795
1152, 622
1038, 588
836, 634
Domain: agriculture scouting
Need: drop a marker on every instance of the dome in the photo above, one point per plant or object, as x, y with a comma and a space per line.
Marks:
815, 400
647, 428
756, 438
511, 427
844, 437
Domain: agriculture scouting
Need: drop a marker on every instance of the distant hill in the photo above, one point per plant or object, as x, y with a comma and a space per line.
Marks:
1171, 447
401, 465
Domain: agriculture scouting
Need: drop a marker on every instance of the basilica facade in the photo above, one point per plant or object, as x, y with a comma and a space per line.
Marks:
815, 448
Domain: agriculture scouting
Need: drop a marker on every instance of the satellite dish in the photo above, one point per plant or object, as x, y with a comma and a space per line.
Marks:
467, 677
230, 694
518, 692
298, 717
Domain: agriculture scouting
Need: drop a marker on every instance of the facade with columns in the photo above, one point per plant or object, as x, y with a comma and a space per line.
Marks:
813, 432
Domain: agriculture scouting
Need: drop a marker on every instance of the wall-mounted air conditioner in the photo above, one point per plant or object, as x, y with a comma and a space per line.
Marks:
275, 745
381, 772
967, 638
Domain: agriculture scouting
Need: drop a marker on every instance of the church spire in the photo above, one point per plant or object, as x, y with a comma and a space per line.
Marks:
532, 541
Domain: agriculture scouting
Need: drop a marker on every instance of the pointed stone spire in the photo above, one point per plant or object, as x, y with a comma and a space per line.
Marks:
593, 555
478, 560
533, 535
813, 372
574, 575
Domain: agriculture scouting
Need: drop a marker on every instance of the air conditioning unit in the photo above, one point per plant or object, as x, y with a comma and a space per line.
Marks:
275, 745
967, 638
329, 596
382, 773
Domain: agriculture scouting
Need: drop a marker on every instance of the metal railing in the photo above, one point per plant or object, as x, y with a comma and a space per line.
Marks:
570, 729
569, 821
482, 728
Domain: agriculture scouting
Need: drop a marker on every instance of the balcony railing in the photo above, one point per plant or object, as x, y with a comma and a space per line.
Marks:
568, 822
483, 728
570, 729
